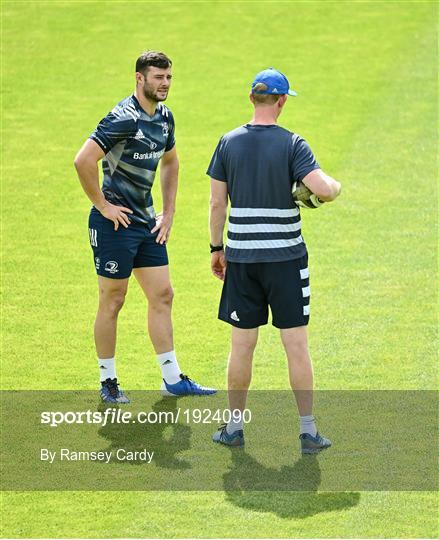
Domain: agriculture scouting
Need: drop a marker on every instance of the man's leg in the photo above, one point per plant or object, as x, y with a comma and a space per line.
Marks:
239, 378
111, 299
155, 283
295, 342
240, 366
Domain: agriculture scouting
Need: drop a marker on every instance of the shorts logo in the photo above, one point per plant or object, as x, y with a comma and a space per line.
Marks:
234, 316
93, 233
97, 262
111, 267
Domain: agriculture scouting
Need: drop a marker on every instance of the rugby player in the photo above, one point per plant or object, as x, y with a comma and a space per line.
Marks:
126, 234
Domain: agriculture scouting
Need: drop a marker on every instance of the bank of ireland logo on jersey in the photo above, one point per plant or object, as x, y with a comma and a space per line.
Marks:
112, 267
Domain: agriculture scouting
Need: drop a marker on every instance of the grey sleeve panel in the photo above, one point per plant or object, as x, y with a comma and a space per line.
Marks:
302, 159
113, 129
216, 167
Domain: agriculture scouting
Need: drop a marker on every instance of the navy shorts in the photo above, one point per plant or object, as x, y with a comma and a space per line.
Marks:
250, 288
116, 253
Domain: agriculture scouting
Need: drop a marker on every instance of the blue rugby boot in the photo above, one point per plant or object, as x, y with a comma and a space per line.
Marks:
313, 445
111, 393
185, 387
233, 439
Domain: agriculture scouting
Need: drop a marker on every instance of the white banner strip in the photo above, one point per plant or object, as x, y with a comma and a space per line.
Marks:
264, 212
264, 227
263, 244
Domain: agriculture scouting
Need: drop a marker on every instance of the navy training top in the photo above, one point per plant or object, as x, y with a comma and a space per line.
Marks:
260, 164
133, 143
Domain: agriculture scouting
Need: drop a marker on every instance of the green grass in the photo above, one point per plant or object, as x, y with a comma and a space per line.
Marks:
366, 77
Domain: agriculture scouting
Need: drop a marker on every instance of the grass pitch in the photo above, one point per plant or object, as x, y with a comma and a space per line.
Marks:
366, 77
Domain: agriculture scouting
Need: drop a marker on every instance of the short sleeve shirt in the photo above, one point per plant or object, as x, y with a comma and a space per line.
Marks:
260, 164
133, 142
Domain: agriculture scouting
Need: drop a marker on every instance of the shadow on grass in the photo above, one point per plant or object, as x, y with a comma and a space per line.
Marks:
167, 440
290, 492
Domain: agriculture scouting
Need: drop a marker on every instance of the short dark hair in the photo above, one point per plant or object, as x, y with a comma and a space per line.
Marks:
152, 58
266, 99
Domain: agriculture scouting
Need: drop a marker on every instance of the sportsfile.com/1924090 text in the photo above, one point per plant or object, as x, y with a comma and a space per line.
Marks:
118, 416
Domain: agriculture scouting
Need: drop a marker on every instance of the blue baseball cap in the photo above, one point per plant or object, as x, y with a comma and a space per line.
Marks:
275, 81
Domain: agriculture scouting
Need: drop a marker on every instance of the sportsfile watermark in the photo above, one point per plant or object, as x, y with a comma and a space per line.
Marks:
381, 441
118, 416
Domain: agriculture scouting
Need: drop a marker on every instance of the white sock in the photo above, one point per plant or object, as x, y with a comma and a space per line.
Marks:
170, 369
308, 425
234, 425
107, 368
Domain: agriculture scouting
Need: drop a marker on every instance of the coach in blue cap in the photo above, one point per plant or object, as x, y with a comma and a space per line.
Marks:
256, 166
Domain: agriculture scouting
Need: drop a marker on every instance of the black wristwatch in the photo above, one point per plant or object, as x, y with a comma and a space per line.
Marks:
216, 248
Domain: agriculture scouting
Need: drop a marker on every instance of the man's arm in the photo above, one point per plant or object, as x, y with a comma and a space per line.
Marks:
326, 188
169, 183
86, 164
217, 221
